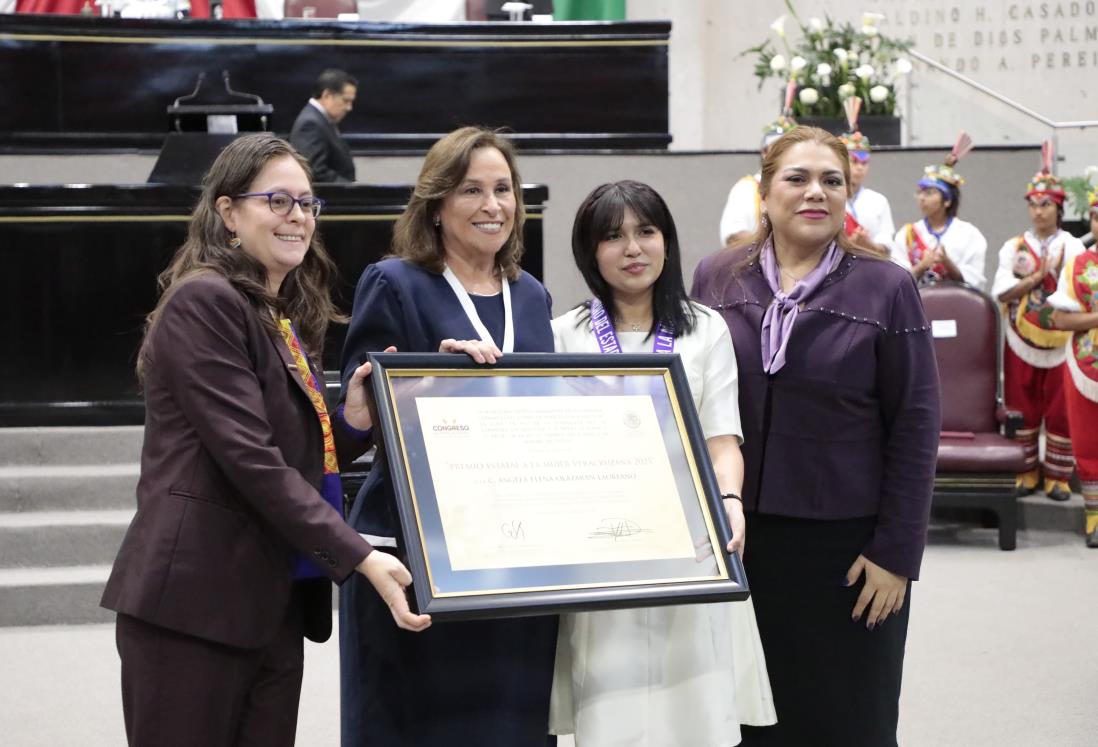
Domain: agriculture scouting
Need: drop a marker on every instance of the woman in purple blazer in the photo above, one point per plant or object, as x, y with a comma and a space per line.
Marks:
238, 534
840, 414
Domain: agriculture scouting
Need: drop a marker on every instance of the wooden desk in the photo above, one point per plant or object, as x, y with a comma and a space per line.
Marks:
102, 83
80, 267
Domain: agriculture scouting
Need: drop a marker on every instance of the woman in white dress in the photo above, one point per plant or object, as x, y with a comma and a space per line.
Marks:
683, 675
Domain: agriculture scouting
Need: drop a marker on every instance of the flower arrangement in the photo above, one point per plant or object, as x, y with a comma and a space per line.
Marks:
830, 62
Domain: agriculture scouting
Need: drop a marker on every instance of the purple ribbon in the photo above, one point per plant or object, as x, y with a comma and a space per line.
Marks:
607, 338
782, 312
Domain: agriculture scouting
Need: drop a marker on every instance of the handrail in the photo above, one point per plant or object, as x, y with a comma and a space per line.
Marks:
1000, 97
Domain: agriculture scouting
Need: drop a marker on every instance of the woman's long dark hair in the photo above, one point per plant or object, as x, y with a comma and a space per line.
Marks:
601, 214
305, 295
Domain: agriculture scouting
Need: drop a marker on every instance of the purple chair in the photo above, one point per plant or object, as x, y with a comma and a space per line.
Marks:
977, 458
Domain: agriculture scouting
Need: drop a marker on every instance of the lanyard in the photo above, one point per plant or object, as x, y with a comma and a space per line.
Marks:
607, 338
474, 318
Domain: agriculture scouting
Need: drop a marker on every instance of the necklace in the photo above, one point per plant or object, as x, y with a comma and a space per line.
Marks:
632, 327
791, 276
602, 327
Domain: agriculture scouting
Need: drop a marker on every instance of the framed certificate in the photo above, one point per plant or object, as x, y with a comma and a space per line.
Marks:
551, 482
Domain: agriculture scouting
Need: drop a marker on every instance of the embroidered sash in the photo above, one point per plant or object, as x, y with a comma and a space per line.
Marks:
1082, 276
1031, 316
331, 487
851, 224
916, 248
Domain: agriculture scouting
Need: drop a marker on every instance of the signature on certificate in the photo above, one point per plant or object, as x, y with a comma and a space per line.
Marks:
616, 528
513, 530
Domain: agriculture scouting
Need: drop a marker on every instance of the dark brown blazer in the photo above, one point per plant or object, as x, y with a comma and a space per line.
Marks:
230, 469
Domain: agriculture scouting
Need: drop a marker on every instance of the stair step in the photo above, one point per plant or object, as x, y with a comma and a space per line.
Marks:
61, 538
71, 445
53, 596
79, 487
1037, 511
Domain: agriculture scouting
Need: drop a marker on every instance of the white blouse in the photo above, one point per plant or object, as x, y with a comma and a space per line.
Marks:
707, 356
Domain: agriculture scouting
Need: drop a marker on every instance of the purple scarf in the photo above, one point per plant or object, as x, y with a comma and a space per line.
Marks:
782, 312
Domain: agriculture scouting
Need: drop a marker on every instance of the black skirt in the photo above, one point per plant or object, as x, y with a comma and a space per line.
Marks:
834, 681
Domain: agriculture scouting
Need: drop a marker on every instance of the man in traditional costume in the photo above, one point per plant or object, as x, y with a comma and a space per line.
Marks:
1076, 304
1033, 358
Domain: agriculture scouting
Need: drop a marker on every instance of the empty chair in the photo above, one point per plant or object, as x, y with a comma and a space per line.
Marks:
977, 458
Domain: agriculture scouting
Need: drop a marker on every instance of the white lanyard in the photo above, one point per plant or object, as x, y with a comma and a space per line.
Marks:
474, 317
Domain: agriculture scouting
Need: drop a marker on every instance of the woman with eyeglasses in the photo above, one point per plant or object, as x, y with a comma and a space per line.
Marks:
238, 534
1035, 350
941, 246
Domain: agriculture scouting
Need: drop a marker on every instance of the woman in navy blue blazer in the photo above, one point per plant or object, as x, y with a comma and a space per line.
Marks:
454, 285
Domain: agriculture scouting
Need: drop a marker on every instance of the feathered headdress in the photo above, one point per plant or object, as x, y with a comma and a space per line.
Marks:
1044, 183
943, 177
856, 143
776, 129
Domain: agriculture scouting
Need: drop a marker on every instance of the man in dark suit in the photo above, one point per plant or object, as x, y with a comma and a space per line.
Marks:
314, 133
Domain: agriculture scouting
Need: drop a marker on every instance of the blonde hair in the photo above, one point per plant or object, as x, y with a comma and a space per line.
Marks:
796, 136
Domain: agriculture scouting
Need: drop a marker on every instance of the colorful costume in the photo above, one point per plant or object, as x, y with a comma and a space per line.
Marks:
1034, 355
741, 210
866, 209
962, 242
1078, 292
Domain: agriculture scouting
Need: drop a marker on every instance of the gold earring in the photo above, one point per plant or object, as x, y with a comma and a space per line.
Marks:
234, 242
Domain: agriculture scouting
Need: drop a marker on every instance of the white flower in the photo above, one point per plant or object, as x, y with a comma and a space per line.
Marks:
797, 63
809, 96
777, 63
778, 27
815, 24
903, 66
869, 23
1090, 172
865, 72
823, 70
877, 94
846, 90
841, 54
